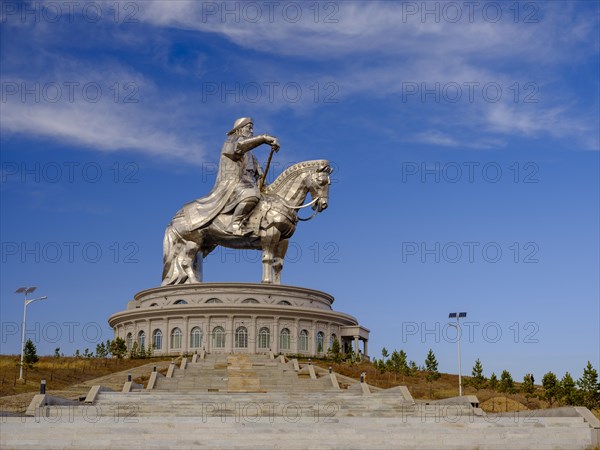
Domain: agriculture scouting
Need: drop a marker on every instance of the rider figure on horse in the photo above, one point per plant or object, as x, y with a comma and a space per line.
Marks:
236, 188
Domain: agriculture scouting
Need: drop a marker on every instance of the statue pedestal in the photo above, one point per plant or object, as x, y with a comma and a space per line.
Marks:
237, 318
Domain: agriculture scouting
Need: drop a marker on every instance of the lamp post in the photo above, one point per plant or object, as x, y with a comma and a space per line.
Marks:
26, 291
458, 316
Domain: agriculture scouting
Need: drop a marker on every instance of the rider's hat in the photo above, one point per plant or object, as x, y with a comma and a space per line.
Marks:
239, 123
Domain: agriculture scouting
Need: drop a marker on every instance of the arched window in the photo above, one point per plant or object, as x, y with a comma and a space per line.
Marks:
284, 302
141, 340
320, 342
218, 337
284, 339
332, 339
180, 302
241, 337
157, 339
250, 300
303, 342
176, 338
213, 300
196, 338
264, 338
129, 341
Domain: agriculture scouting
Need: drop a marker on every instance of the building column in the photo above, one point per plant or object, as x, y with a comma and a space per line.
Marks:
207, 336
275, 337
312, 338
185, 344
366, 344
168, 337
356, 344
229, 331
296, 337
253, 344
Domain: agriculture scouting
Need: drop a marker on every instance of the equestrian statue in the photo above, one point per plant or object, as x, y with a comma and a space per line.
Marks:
241, 211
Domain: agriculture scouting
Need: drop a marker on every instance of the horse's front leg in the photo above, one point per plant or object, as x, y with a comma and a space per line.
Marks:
278, 260
269, 243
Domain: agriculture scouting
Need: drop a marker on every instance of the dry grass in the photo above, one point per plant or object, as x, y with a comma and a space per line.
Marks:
59, 373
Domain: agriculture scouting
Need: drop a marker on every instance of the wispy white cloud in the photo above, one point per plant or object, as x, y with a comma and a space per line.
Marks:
371, 52
119, 110
375, 48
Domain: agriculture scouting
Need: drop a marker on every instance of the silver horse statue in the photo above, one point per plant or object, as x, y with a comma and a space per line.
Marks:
271, 224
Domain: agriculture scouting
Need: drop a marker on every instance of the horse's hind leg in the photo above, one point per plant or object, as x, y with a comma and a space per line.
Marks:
278, 259
178, 259
269, 243
189, 262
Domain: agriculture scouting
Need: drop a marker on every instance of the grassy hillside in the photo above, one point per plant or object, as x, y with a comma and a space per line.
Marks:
59, 373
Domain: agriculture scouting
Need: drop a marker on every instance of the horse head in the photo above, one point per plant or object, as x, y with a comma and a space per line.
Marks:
318, 185
294, 184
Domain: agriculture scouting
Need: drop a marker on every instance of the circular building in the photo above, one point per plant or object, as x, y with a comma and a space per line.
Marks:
237, 318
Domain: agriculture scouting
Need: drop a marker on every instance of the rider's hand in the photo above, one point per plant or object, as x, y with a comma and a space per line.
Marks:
275, 144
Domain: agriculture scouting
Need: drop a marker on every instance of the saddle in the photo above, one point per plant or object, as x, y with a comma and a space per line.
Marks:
257, 218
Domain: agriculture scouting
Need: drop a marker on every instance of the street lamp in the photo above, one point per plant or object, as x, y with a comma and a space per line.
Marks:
26, 291
458, 316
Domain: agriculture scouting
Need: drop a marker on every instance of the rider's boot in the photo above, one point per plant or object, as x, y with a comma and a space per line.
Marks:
240, 214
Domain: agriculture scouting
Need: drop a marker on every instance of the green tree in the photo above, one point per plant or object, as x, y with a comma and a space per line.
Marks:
493, 382
551, 387
336, 352
384, 353
394, 363
30, 356
403, 368
101, 351
493, 385
506, 385
431, 367
118, 347
57, 352
589, 387
478, 380
527, 387
134, 353
412, 368
568, 391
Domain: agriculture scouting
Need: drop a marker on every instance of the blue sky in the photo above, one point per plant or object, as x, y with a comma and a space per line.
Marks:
465, 143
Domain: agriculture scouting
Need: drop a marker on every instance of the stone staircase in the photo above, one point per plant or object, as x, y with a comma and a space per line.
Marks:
250, 401
280, 432
241, 373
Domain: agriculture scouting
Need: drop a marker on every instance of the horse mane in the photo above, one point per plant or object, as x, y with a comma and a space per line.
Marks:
293, 171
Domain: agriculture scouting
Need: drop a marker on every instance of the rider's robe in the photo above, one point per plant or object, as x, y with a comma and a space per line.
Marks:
237, 179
